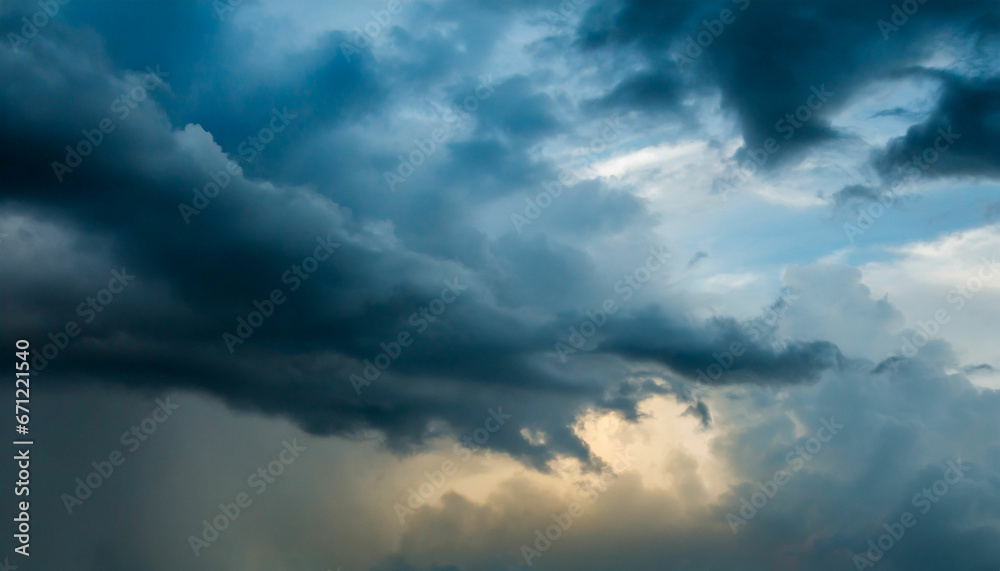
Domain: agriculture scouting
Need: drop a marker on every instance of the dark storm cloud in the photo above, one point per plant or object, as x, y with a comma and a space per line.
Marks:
237, 250
767, 61
648, 334
961, 137
515, 294
195, 277
208, 272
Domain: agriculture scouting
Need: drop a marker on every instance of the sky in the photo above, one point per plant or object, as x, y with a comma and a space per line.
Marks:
453, 285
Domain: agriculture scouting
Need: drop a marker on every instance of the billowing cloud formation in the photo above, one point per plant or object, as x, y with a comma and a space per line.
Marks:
400, 217
212, 240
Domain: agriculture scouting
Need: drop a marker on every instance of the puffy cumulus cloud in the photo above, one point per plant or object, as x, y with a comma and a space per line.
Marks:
325, 247
833, 303
949, 293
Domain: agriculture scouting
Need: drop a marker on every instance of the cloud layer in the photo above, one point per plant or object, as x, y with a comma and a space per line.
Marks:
390, 219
